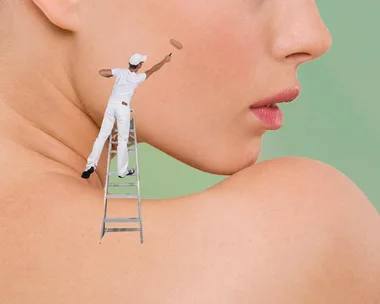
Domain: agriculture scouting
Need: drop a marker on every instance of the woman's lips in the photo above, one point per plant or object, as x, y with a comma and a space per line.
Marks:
272, 117
269, 113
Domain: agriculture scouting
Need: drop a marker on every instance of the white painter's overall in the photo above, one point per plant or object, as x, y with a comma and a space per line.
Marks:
118, 109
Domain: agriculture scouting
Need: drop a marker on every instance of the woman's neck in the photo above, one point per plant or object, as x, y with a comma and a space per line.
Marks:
41, 111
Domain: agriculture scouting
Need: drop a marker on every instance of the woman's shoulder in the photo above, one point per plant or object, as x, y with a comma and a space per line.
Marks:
297, 178
316, 226
284, 230
297, 186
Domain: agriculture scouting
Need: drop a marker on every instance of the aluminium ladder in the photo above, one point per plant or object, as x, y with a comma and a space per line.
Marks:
132, 147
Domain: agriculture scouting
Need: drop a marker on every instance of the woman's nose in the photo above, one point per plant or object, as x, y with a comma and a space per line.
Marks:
299, 34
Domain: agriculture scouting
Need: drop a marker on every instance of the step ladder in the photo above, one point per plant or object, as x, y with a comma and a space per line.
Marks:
132, 148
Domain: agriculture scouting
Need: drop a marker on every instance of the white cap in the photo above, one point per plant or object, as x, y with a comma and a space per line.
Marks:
136, 58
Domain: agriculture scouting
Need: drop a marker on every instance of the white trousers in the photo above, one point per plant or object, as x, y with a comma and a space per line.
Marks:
121, 111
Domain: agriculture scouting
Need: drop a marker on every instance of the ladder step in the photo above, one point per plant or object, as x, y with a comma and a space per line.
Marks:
130, 130
129, 150
122, 185
120, 229
122, 196
117, 174
129, 143
120, 219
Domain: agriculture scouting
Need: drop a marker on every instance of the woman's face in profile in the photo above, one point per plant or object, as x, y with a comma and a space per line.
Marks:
197, 108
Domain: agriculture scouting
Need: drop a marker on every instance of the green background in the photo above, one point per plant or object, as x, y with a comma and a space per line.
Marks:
335, 119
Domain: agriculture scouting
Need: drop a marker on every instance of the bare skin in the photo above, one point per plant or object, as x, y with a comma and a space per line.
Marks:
289, 230
239, 242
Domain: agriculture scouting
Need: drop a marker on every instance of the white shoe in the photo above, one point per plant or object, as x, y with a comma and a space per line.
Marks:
130, 172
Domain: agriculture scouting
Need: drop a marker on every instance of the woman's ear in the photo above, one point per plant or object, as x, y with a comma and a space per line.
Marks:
63, 13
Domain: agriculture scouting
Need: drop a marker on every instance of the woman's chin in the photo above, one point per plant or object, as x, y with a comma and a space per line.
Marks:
220, 158
220, 164
227, 167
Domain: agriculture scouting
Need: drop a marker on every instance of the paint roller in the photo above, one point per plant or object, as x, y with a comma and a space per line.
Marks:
178, 45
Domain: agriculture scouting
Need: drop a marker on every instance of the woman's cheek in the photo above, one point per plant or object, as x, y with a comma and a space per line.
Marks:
220, 51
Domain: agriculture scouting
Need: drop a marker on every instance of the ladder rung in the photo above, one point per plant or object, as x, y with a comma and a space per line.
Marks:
129, 143
120, 229
129, 150
122, 196
117, 174
122, 185
120, 219
130, 130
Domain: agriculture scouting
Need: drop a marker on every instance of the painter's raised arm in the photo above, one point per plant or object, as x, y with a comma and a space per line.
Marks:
106, 73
